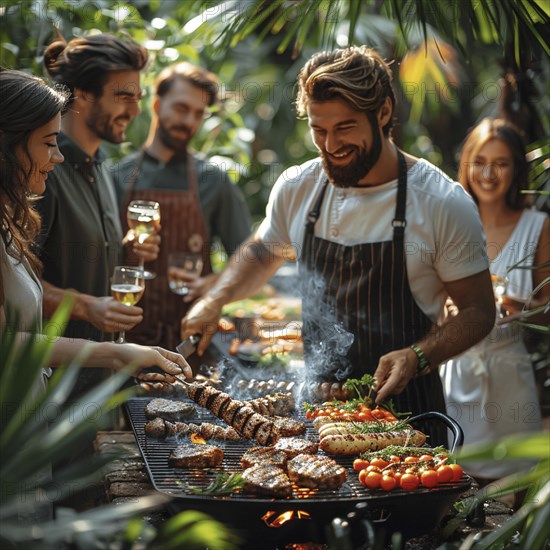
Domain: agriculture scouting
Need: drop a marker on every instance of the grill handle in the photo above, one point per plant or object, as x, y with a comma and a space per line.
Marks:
458, 434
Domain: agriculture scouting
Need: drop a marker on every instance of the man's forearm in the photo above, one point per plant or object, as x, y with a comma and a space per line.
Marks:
53, 296
457, 334
247, 271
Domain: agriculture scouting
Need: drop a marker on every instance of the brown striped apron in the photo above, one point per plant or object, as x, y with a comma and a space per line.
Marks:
183, 230
364, 290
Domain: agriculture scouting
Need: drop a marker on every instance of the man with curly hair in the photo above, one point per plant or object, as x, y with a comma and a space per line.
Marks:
382, 239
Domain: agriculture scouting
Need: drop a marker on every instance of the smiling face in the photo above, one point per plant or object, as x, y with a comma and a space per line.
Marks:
344, 137
108, 116
180, 113
41, 155
491, 172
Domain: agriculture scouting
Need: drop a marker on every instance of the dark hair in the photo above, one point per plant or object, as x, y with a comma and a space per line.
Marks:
85, 62
203, 79
357, 74
27, 104
506, 132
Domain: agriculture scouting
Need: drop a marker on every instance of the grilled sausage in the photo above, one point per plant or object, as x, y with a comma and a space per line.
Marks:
352, 444
240, 416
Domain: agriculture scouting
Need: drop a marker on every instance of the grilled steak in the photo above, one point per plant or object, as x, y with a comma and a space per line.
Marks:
288, 426
195, 456
168, 409
316, 472
263, 455
267, 480
293, 446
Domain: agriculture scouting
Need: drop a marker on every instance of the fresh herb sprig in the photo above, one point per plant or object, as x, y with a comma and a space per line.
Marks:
379, 427
402, 452
361, 387
223, 484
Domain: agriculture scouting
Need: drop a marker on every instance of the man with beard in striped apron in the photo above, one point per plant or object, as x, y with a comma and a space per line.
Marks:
197, 200
382, 239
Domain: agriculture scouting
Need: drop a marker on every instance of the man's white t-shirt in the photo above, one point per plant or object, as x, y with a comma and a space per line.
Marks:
444, 239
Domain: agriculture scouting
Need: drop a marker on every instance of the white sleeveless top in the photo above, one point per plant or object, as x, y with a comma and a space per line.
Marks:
22, 294
490, 389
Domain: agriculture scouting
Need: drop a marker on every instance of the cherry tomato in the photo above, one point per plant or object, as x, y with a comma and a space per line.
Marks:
457, 471
444, 474
372, 468
409, 482
378, 414
365, 416
398, 476
373, 480
379, 462
363, 477
424, 458
388, 483
360, 464
395, 458
429, 478
389, 416
310, 415
410, 459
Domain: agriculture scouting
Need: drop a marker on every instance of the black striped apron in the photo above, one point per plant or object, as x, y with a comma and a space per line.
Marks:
364, 289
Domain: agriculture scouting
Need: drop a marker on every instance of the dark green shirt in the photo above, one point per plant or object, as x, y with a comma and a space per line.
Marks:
223, 207
81, 237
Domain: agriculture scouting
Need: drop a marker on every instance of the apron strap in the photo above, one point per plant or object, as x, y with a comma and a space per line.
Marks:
399, 222
313, 214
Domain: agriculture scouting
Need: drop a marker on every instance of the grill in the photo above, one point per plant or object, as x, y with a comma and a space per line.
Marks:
393, 511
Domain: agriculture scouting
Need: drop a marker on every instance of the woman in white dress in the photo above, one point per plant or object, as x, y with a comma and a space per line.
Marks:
490, 389
29, 124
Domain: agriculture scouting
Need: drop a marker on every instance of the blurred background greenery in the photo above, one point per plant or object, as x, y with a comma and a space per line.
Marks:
455, 61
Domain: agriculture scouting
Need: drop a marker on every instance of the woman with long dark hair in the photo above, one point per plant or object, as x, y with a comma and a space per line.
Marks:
29, 124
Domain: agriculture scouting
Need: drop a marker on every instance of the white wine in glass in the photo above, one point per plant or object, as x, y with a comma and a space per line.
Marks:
127, 286
183, 268
144, 218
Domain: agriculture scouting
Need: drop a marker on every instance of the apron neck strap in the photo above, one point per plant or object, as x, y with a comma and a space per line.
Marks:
399, 222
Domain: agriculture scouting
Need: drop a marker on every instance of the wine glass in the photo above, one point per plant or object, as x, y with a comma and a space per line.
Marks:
127, 286
144, 218
499, 290
182, 267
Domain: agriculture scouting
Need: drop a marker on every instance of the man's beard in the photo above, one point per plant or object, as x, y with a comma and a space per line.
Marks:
100, 123
178, 145
351, 174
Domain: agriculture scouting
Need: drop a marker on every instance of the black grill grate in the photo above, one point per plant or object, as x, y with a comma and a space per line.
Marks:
173, 481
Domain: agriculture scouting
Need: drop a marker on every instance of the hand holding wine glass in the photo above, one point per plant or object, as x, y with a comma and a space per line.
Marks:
127, 287
183, 268
499, 290
144, 219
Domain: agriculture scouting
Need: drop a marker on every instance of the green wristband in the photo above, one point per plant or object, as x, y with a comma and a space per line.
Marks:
423, 362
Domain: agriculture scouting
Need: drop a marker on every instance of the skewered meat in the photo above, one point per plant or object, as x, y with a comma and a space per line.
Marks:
267, 480
293, 446
316, 472
160, 429
243, 418
195, 456
263, 455
353, 444
289, 427
278, 404
169, 409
